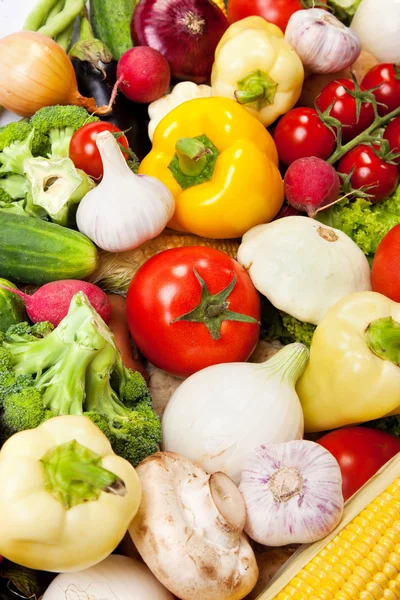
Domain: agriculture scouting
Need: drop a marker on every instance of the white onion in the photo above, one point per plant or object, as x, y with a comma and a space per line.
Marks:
377, 23
117, 577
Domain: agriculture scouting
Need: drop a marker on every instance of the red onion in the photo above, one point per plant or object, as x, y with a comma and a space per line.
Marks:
185, 32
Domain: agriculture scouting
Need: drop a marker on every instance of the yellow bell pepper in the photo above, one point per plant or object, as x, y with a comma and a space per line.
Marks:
66, 500
255, 65
353, 375
220, 164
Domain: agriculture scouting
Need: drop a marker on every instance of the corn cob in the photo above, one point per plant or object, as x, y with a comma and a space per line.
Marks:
115, 270
221, 4
360, 559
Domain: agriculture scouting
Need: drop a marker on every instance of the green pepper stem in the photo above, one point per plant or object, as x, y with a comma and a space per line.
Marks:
192, 156
73, 475
383, 339
256, 88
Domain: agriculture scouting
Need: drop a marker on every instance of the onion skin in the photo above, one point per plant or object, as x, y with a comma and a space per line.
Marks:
36, 72
169, 26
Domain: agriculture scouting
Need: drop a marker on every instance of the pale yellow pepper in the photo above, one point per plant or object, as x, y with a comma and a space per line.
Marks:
255, 65
353, 374
66, 500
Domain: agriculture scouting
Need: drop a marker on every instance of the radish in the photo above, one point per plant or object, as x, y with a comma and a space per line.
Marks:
311, 184
143, 75
51, 301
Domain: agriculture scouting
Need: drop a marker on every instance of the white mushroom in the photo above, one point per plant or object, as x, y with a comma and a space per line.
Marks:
189, 530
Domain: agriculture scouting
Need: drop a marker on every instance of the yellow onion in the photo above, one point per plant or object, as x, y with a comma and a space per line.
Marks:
35, 72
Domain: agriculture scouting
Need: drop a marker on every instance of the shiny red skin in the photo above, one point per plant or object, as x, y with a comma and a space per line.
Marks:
165, 288
83, 150
392, 135
344, 108
301, 133
388, 92
274, 11
143, 74
360, 452
369, 170
385, 274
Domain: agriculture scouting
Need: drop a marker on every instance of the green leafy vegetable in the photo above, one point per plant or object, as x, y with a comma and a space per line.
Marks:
365, 223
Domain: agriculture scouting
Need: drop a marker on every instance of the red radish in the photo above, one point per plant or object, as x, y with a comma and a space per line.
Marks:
311, 185
143, 75
51, 301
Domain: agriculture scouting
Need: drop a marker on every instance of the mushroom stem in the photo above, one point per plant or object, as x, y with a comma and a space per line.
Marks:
231, 511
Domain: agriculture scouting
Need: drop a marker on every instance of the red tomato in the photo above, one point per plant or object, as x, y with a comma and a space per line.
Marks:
166, 288
392, 135
301, 133
388, 92
83, 150
274, 11
371, 174
385, 275
344, 108
360, 452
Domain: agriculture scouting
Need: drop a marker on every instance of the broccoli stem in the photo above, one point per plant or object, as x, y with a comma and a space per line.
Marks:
63, 385
37, 17
100, 397
60, 22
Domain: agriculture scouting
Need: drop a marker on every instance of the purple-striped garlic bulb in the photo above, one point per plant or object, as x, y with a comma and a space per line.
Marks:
292, 492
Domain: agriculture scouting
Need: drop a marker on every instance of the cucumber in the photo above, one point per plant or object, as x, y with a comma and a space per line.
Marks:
35, 251
12, 308
111, 22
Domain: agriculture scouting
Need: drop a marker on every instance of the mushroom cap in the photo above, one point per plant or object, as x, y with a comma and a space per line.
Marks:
189, 530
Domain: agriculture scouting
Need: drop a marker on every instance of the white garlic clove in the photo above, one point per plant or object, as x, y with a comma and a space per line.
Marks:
292, 492
323, 43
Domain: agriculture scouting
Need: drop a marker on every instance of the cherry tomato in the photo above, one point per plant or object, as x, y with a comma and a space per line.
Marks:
301, 133
371, 174
388, 92
344, 108
172, 284
360, 452
83, 150
385, 275
392, 135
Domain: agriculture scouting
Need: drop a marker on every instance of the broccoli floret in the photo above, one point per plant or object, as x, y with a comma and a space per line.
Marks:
277, 325
23, 410
11, 383
60, 123
55, 186
76, 368
18, 131
13, 157
388, 424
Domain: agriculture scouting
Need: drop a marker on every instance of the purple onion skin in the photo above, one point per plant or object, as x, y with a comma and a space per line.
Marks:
185, 32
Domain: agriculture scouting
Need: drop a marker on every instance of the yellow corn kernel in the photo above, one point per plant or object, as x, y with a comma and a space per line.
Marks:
361, 562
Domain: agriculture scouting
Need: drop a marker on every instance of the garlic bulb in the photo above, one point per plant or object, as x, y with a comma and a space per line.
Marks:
323, 43
302, 266
292, 492
124, 210
219, 414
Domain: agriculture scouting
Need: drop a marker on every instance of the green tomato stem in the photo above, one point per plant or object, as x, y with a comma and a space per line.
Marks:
257, 88
362, 137
383, 339
73, 474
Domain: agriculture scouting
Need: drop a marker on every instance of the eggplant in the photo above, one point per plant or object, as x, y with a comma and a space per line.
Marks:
131, 118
